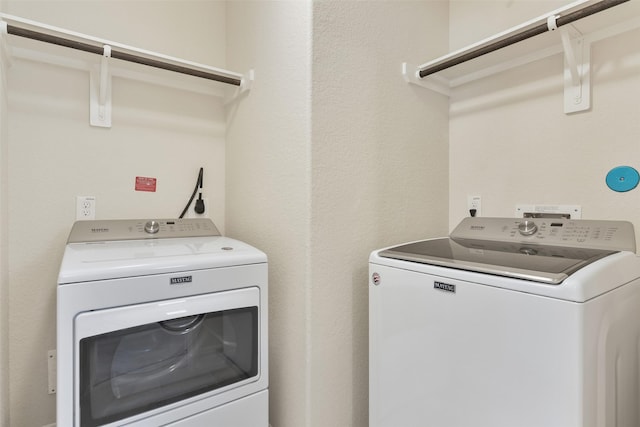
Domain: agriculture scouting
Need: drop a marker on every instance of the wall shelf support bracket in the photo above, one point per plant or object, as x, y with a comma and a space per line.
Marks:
5, 53
100, 92
577, 65
5, 57
246, 82
433, 82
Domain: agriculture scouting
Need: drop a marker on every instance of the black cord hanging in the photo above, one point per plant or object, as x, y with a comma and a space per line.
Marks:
193, 195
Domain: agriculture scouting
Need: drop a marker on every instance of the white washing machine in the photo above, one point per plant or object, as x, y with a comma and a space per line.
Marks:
507, 323
161, 323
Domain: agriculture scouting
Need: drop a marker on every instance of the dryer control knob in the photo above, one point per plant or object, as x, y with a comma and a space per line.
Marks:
152, 227
527, 228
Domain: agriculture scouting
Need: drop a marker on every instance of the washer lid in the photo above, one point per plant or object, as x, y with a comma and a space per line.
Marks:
85, 262
543, 250
548, 264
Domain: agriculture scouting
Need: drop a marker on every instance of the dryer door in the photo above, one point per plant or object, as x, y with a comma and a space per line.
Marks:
138, 358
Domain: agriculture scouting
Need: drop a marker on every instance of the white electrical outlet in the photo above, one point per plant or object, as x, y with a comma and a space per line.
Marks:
85, 208
474, 203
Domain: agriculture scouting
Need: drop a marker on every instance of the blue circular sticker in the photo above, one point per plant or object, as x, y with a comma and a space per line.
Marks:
622, 178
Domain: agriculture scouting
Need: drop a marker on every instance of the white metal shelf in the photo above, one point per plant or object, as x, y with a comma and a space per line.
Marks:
573, 39
22, 38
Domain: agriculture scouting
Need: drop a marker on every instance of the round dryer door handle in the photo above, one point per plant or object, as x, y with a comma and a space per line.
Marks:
182, 325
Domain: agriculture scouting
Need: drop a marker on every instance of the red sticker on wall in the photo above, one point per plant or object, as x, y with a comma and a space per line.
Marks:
144, 183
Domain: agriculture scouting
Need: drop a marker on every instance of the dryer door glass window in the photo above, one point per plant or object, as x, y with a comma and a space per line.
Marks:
133, 370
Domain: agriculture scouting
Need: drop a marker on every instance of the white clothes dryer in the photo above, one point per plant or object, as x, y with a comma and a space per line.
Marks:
507, 323
161, 323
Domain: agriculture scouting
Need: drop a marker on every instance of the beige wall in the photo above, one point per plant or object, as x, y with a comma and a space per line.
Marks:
54, 156
4, 264
512, 143
268, 180
379, 177
330, 156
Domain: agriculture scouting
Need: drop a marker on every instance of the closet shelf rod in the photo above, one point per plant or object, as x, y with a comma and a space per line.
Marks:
518, 37
99, 50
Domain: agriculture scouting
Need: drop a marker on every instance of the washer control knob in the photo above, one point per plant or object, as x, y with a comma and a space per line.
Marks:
152, 227
527, 228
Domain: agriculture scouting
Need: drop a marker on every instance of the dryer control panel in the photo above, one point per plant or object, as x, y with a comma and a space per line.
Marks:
583, 233
139, 229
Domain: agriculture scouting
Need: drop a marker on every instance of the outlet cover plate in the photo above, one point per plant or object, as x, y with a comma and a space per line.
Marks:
85, 208
575, 211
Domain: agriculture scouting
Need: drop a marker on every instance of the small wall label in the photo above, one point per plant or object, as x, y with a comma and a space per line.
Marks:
144, 183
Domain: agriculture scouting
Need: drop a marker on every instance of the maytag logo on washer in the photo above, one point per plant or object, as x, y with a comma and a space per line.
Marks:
444, 287
180, 280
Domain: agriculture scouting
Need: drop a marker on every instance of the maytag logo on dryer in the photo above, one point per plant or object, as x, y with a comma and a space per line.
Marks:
444, 287
180, 280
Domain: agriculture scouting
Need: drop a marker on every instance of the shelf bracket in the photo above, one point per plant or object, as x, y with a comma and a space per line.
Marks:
577, 64
5, 57
433, 82
577, 72
5, 53
100, 92
246, 82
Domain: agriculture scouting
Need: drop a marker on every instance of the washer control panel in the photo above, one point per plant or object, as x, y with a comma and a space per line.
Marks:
137, 229
594, 234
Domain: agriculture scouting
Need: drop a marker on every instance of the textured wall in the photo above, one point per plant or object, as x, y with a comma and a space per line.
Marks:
4, 253
379, 176
330, 156
268, 180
